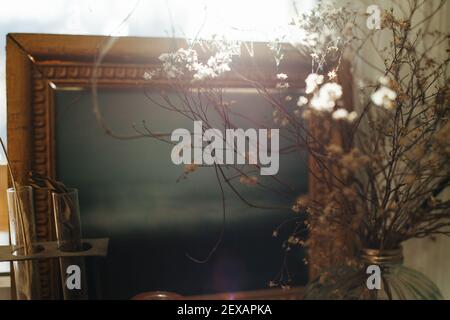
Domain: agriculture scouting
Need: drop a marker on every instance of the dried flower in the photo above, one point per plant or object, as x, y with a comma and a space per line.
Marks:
296, 208
334, 150
340, 114
248, 180
282, 85
384, 81
302, 101
185, 61
352, 116
306, 114
293, 240
148, 75
332, 74
384, 97
325, 100
343, 114
392, 166
312, 82
300, 203
189, 168
331, 91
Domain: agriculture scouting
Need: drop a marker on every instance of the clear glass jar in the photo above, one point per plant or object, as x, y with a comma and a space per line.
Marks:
23, 241
350, 282
66, 211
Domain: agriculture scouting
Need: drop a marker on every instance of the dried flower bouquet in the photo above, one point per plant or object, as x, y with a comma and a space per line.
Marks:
382, 162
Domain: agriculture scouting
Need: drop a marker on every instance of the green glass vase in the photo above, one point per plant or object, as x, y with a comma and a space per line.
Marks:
396, 281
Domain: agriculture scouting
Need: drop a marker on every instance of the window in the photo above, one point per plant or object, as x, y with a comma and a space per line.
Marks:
156, 18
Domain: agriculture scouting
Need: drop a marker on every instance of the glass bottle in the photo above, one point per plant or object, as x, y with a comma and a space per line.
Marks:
23, 241
397, 282
66, 211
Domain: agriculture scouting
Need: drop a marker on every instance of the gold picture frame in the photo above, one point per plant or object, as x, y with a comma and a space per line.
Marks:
36, 64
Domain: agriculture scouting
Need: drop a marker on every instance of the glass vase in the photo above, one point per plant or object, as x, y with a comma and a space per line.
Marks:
66, 212
397, 282
23, 241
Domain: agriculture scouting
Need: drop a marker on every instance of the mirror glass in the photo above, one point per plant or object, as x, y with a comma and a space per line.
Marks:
131, 192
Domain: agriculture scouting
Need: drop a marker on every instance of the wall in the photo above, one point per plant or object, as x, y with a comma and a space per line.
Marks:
4, 266
430, 256
433, 260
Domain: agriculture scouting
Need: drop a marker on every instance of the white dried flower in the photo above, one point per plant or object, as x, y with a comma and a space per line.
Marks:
283, 85
175, 64
352, 116
325, 100
203, 72
332, 74
184, 61
302, 101
340, 114
331, 90
384, 97
148, 75
321, 103
282, 76
312, 82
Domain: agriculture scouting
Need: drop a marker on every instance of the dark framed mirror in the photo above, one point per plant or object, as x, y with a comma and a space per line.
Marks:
129, 189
